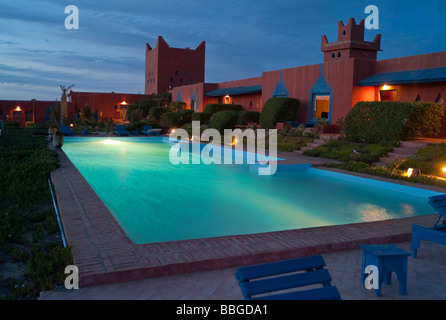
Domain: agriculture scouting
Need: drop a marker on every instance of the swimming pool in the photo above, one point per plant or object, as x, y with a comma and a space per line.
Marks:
156, 201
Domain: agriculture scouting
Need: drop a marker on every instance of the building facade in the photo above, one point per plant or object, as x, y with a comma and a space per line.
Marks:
107, 105
350, 72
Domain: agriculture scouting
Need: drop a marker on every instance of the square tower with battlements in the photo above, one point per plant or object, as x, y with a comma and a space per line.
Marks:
168, 67
350, 43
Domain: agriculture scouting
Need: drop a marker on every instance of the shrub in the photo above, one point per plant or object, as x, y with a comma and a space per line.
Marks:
277, 110
374, 122
346, 151
176, 106
203, 117
144, 106
140, 124
224, 120
176, 119
247, 117
12, 124
216, 107
155, 113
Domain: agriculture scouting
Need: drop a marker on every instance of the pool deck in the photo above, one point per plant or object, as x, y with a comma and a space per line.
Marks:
104, 255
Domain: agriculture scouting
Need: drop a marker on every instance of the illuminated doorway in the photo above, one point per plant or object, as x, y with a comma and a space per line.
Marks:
387, 94
321, 106
320, 102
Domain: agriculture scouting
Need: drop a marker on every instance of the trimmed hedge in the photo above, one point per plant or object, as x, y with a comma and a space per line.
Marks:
217, 107
176, 119
155, 113
246, 117
277, 110
203, 117
392, 121
224, 120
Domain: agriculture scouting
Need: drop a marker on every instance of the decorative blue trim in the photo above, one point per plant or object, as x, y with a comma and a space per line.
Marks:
280, 90
179, 98
321, 87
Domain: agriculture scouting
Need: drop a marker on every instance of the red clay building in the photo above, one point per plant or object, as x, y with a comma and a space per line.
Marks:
168, 67
26, 111
108, 105
349, 72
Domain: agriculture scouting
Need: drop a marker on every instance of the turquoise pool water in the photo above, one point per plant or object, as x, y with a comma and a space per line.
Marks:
156, 201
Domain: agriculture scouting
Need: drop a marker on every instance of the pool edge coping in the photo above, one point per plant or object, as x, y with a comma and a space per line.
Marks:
286, 243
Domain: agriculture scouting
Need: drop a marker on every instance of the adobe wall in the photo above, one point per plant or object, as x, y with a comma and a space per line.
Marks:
104, 103
168, 67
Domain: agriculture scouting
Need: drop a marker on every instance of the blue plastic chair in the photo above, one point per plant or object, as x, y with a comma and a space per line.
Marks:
146, 130
437, 233
265, 281
120, 130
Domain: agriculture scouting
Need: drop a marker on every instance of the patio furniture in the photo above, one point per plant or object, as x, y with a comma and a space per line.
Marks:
66, 131
155, 132
387, 258
264, 281
120, 130
437, 233
146, 130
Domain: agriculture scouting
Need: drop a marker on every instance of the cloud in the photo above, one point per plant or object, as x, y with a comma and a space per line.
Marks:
243, 37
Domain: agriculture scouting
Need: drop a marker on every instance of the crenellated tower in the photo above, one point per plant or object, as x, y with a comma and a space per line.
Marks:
168, 67
350, 43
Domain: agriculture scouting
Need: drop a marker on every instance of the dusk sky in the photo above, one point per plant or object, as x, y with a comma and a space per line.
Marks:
243, 38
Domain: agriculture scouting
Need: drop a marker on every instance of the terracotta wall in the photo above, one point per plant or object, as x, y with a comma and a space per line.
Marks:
34, 109
423, 61
200, 89
104, 103
168, 67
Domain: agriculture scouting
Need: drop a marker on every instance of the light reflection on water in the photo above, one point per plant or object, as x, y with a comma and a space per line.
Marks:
154, 200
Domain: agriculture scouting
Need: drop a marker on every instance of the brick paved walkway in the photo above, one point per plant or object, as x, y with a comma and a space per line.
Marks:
104, 255
426, 280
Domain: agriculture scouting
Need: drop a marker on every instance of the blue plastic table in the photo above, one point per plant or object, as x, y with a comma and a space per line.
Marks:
386, 258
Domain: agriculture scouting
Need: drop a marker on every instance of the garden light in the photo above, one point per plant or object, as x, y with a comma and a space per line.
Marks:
412, 172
